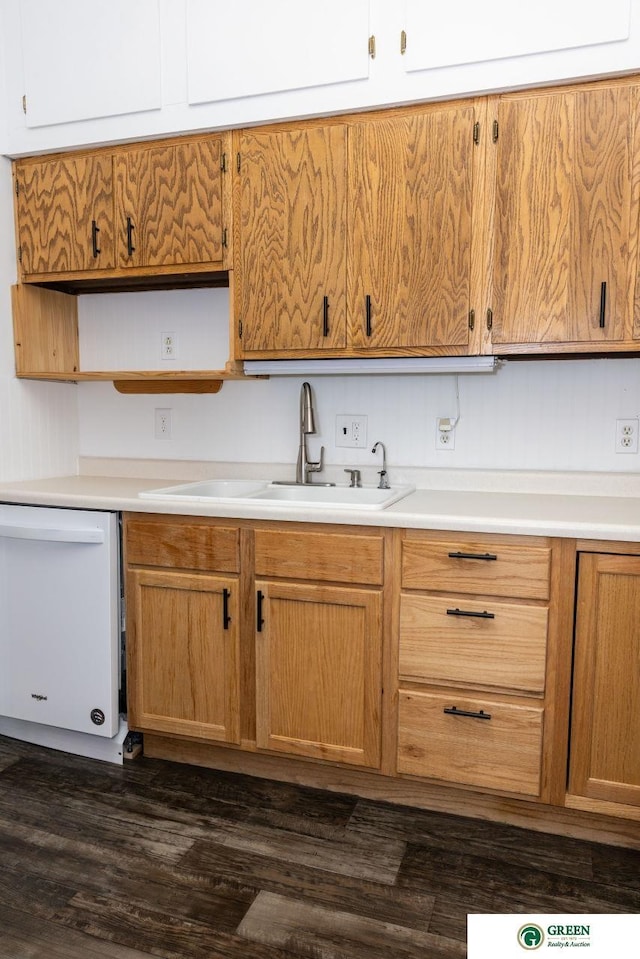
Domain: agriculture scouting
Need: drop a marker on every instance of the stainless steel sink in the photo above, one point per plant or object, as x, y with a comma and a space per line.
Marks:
251, 492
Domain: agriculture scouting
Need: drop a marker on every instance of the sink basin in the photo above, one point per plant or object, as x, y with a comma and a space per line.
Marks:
332, 497
207, 490
249, 492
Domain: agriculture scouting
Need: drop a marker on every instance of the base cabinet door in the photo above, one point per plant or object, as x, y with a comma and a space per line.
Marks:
183, 655
318, 667
605, 731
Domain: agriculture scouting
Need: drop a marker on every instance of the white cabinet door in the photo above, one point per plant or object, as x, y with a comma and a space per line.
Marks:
450, 34
242, 50
88, 60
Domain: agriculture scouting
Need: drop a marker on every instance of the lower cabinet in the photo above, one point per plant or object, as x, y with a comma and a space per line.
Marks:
183, 628
319, 645
605, 731
283, 654
473, 661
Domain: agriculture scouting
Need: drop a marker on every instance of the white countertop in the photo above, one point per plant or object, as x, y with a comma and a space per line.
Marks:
584, 515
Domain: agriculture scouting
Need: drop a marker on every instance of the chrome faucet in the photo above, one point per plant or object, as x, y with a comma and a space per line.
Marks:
384, 479
304, 465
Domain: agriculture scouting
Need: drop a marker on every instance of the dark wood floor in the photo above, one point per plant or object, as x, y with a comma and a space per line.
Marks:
158, 859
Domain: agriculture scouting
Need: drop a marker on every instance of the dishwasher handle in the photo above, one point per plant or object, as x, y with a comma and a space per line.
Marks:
52, 534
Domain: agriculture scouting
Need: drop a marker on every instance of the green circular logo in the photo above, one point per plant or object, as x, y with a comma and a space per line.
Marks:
530, 936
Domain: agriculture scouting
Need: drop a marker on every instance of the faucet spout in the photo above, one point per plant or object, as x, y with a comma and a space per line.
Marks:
305, 466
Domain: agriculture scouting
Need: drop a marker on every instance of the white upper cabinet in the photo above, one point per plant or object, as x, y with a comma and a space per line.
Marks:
243, 50
87, 60
467, 32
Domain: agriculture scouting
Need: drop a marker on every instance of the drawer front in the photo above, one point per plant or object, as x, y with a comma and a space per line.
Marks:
328, 557
477, 568
462, 640
503, 752
182, 545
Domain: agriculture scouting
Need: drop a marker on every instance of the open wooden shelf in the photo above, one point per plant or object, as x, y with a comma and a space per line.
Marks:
148, 381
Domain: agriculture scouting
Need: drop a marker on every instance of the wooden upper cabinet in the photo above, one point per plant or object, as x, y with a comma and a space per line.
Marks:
169, 204
291, 265
64, 211
412, 180
562, 271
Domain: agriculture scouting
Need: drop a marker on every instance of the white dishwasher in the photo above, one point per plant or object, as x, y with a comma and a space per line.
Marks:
59, 622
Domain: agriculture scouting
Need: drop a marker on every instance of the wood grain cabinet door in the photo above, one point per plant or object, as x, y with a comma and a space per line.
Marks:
318, 671
65, 214
561, 258
411, 180
605, 730
169, 204
291, 269
183, 654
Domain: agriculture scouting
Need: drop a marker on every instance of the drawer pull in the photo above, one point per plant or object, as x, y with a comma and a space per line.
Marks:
459, 555
454, 711
470, 612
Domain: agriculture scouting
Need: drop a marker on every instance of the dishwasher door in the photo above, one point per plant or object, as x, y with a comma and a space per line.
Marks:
59, 617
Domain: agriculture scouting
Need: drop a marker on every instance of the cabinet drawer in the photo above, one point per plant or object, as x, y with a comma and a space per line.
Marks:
457, 639
476, 567
503, 752
328, 557
182, 545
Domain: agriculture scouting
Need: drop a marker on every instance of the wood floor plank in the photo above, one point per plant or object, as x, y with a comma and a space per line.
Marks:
314, 931
509, 844
24, 936
394, 904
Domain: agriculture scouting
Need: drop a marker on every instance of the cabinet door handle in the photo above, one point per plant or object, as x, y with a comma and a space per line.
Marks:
259, 617
460, 555
226, 618
603, 304
367, 309
95, 229
470, 612
130, 228
325, 316
454, 711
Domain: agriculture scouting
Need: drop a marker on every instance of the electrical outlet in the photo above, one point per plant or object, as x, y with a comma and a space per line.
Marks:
163, 424
445, 434
626, 436
168, 346
351, 430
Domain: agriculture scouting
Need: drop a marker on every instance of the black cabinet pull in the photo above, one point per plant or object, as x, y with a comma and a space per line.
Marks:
460, 555
325, 316
95, 229
368, 314
226, 618
603, 304
470, 612
259, 617
454, 711
130, 228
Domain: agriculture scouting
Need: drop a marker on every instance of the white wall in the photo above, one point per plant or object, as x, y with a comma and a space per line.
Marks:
38, 421
538, 414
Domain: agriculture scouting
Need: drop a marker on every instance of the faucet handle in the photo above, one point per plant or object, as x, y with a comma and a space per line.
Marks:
315, 467
356, 480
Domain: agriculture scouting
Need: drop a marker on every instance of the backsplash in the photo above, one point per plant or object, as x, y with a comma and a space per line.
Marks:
530, 415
